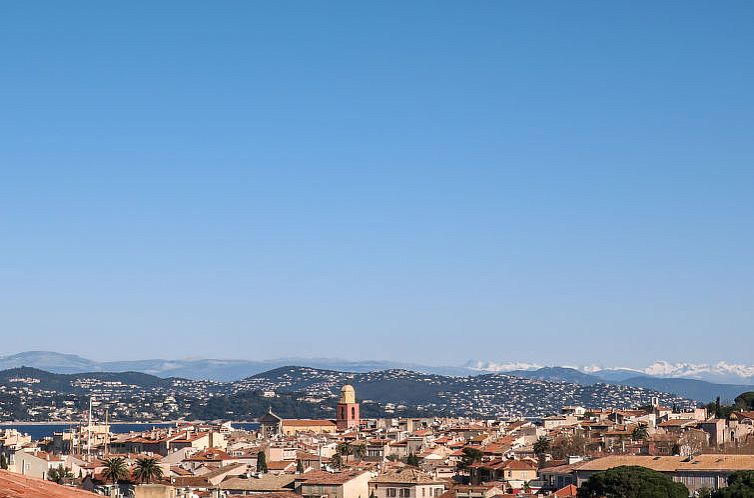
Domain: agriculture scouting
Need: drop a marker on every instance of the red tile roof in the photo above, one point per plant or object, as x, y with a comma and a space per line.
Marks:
18, 486
210, 455
569, 491
321, 478
308, 423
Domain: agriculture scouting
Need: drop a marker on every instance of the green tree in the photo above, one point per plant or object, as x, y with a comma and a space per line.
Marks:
412, 460
261, 462
541, 448
542, 445
470, 455
115, 469
639, 432
3, 461
704, 492
344, 450
146, 469
745, 401
336, 461
60, 474
740, 485
632, 482
359, 451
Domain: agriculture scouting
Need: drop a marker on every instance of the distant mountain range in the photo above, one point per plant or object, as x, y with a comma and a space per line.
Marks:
204, 369
687, 380
31, 394
688, 388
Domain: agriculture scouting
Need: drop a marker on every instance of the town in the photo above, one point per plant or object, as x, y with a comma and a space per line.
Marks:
351, 456
391, 249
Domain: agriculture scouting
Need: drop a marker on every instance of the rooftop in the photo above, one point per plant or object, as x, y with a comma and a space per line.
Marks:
18, 486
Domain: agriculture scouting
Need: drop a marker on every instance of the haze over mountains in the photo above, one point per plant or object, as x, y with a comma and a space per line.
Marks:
692, 382
204, 368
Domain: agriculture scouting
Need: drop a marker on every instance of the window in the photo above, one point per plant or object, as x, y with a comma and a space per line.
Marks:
438, 491
424, 491
391, 492
405, 492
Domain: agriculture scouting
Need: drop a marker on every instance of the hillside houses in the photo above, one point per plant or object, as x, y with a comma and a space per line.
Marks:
416, 457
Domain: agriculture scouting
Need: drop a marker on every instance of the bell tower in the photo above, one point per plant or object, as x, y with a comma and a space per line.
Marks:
347, 416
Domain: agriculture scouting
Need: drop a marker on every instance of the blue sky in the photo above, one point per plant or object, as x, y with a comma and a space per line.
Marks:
560, 182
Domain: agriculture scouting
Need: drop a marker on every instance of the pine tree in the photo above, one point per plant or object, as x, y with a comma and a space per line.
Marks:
261, 462
632, 482
3, 462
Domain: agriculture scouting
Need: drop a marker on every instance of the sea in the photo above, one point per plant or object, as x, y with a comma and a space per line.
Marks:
41, 430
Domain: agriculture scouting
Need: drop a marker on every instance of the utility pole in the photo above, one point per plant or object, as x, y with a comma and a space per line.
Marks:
89, 432
107, 431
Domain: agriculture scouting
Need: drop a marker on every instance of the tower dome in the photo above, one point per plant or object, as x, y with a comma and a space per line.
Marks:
347, 394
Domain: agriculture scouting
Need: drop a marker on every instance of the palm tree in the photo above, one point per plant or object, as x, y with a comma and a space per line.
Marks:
147, 469
541, 446
345, 450
115, 469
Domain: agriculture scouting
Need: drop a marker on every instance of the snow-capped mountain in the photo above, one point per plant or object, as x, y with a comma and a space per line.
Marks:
227, 370
720, 372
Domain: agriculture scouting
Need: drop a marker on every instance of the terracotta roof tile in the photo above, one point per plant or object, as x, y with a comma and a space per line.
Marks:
18, 486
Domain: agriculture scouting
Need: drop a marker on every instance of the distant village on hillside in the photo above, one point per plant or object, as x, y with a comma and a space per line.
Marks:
29, 394
349, 455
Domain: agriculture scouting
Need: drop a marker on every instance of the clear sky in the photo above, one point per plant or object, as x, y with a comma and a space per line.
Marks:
560, 182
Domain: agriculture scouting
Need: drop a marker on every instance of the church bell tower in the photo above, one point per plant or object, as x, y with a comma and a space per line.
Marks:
347, 416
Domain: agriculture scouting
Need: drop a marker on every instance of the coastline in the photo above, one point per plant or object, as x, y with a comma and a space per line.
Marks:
120, 422
84, 422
